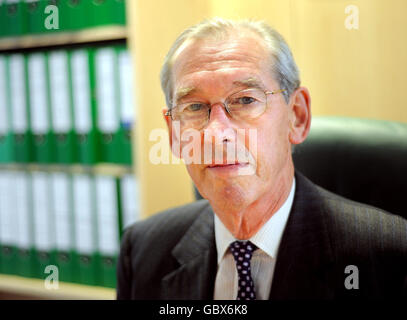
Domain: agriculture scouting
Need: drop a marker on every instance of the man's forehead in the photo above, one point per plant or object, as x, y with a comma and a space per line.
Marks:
236, 52
247, 44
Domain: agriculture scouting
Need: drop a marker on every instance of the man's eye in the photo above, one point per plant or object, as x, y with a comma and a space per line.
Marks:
243, 100
247, 100
194, 107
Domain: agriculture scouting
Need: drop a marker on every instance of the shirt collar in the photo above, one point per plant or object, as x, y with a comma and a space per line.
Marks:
267, 238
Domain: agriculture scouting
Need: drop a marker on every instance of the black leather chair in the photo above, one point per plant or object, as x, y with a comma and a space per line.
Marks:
361, 159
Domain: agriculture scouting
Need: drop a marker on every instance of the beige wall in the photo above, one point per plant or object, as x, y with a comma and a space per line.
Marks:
355, 73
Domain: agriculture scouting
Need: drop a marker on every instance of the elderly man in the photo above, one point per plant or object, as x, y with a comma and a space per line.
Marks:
264, 230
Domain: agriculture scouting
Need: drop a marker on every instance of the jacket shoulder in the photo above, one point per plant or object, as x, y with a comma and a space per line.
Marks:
145, 253
169, 224
353, 225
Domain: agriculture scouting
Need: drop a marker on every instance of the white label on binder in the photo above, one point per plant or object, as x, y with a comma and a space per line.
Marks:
130, 200
43, 223
38, 93
62, 210
83, 208
81, 91
127, 114
4, 220
3, 97
107, 215
22, 209
8, 224
59, 86
18, 94
105, 83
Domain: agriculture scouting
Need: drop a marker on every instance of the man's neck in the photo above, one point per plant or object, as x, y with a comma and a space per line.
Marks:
246, 222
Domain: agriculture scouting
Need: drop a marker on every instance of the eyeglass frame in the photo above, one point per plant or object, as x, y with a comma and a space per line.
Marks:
266, 92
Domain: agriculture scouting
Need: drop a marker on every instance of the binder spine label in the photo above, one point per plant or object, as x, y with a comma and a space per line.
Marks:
105, 88
62, 210
42, 219
127, 114
22, 209
38, 93
18, 94
107, 215
81, 91
129, 198
59, 86
83, 208
8, 227
3, 98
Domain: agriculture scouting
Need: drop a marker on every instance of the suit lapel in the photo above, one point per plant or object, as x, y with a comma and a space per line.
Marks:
196, 255
305, 255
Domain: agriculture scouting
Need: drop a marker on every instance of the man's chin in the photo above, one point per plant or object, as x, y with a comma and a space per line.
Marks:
232, 195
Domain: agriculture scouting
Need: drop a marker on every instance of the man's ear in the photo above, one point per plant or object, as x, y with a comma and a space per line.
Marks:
168, 121
172, 137
300, 115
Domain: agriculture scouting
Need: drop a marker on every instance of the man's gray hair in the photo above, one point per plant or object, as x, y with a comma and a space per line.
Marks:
284, 69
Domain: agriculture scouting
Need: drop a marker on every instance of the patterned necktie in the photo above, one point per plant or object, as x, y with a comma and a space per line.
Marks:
242, 252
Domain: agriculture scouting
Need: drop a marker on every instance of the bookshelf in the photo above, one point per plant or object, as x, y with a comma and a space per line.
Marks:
35, 289
95, 36
109, 169
61, 38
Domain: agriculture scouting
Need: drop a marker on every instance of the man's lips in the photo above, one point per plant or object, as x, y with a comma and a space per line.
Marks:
223, 165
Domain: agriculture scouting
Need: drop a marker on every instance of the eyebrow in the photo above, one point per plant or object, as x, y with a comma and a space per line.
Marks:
250, 83
183, 92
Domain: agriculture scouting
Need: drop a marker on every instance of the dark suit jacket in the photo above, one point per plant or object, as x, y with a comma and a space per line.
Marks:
172, 255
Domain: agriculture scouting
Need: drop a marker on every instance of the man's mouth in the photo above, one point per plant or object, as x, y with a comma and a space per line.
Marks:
224, 165
231, 169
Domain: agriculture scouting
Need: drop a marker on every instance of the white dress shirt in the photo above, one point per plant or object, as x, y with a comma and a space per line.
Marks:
267, 239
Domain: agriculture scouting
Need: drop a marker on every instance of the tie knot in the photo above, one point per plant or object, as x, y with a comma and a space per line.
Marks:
242, 250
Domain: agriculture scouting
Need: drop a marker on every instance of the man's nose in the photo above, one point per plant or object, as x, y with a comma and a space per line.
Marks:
219, 128
219, 118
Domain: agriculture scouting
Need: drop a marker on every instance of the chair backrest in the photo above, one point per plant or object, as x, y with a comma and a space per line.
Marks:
360, 159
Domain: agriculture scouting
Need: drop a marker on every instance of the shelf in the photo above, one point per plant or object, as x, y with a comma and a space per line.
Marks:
60, 38
67, 291
111, 169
